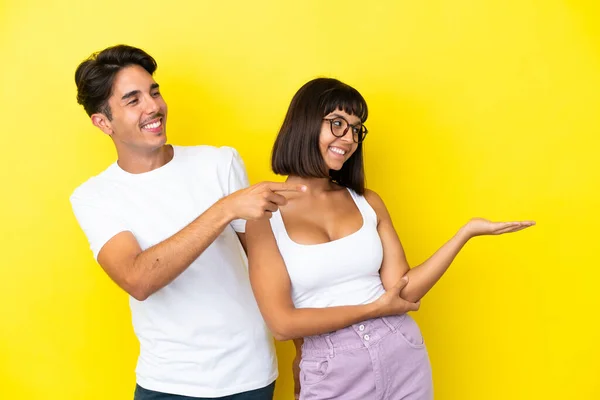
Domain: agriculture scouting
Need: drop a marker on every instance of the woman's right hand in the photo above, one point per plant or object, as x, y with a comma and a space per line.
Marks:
390, 303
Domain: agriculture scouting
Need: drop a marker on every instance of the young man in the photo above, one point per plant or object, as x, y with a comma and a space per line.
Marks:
167, 223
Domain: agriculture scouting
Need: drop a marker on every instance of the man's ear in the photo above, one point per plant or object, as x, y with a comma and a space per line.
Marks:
101, 121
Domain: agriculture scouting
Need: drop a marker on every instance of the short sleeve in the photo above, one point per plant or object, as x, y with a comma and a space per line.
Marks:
237, 179
96, 220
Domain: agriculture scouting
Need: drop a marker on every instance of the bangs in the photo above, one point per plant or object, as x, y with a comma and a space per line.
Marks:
345, 98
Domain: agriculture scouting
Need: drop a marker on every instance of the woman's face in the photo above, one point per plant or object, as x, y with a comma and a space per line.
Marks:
337, 150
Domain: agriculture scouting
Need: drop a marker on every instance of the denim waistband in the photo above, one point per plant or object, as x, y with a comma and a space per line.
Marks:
361, 335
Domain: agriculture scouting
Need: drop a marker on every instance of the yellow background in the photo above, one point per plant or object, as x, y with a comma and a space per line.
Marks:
478, 108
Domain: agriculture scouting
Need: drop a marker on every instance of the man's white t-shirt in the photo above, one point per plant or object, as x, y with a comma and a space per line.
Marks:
202, 335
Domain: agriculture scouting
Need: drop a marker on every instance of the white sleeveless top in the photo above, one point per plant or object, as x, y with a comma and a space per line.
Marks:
342, 272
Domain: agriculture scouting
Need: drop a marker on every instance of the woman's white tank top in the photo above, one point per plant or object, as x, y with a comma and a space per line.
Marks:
338, 273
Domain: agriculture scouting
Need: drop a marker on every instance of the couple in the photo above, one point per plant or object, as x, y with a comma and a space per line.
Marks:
173, 226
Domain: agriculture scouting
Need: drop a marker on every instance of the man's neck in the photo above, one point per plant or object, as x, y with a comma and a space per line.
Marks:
138, 162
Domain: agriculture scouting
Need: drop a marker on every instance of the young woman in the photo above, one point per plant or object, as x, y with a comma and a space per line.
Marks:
329, 267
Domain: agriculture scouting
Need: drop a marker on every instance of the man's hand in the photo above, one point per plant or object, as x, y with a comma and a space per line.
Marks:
258, 201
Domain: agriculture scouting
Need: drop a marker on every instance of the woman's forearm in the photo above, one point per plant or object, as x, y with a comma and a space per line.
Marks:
291, 323
302, 322
424, 276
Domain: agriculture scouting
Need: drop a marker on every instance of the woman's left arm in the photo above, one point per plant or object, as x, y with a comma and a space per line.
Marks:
424, 276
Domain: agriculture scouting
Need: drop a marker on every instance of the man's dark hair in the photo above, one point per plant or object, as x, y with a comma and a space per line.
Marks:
94, 77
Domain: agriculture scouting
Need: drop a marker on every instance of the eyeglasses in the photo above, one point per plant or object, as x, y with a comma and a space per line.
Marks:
339, 127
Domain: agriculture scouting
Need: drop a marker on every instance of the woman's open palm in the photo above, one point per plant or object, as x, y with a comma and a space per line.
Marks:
481, 226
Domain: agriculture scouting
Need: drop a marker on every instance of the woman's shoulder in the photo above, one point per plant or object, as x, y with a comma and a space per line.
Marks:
376, 203
373, 198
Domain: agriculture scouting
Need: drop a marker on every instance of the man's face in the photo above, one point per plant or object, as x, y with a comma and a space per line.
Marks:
139, 113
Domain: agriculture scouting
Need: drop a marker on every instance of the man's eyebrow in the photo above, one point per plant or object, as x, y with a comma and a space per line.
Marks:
137, 92
130, 94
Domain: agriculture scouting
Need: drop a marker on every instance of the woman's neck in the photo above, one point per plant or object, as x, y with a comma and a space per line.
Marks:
314, 186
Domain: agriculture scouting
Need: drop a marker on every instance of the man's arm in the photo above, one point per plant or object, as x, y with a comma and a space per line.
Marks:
142, 273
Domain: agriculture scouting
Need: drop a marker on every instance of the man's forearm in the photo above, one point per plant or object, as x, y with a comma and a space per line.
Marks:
160, 264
